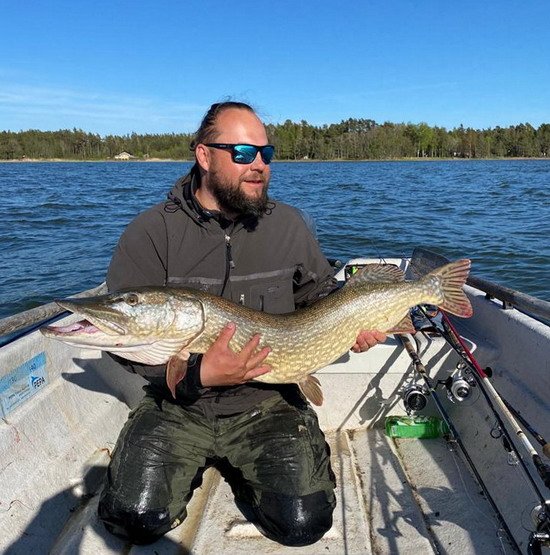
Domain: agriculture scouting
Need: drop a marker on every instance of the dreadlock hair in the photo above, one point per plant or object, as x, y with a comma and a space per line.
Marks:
207, 129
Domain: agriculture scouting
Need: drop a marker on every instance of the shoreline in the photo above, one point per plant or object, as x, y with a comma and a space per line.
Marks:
307, 161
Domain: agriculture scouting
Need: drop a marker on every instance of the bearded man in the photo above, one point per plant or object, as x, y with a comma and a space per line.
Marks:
219, 232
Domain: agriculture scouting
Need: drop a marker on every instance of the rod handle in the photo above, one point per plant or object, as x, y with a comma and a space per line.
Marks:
543, 470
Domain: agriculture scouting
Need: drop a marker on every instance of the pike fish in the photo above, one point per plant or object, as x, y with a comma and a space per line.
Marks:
150, 325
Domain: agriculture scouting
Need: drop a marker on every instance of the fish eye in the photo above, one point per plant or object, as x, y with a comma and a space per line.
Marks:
132, 299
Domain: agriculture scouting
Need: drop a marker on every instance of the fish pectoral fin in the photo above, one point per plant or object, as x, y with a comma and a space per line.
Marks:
404, 326
376, 273
311, 388
176, 369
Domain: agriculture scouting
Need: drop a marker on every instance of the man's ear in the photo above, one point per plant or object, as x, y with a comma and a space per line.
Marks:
202, 155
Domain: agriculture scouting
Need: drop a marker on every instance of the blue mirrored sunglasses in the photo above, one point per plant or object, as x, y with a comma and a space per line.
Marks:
246, 154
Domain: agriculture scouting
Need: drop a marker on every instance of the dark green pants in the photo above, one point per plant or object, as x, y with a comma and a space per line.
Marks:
274, 456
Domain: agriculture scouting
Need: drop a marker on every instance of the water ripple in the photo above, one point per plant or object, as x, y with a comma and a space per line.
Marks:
59, 222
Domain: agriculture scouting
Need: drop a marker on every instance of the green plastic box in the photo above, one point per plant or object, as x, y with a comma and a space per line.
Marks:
420, 427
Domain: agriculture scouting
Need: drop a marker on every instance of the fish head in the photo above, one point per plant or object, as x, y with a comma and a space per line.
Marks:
131, 317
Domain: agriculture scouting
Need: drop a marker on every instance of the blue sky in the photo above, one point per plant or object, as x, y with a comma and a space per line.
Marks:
120, 66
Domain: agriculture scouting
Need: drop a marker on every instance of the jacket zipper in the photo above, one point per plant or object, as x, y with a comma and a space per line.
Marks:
229, 263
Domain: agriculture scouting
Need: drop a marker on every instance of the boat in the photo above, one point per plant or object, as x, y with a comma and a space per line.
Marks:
473, 488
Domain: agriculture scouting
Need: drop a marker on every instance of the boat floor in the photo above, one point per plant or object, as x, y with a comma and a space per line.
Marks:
394, 496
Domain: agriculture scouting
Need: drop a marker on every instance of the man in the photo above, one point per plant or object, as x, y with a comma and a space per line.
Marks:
220, 232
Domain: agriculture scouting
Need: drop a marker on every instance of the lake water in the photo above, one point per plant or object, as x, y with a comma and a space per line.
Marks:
59, 222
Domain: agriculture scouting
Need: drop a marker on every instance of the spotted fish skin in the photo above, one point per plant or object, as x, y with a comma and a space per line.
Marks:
150, 325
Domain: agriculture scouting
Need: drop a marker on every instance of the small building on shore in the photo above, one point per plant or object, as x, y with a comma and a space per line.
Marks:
124, 156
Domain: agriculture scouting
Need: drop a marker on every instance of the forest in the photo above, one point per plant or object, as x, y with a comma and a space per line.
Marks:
352, 139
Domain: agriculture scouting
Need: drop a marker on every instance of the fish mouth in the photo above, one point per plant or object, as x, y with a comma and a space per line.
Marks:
97, 319
83, 327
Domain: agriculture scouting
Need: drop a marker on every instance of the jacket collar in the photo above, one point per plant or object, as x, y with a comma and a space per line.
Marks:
182, 196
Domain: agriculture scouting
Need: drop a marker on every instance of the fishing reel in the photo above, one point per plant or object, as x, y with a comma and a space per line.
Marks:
459, 385
415, 398
541, 536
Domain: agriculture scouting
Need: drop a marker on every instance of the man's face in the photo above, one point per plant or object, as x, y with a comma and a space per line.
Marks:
238, 188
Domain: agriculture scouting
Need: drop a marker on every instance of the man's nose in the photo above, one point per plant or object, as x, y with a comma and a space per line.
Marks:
258, 164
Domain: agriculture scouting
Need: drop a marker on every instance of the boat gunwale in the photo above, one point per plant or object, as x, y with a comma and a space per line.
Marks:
28, 320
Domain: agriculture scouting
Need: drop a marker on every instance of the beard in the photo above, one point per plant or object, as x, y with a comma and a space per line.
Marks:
233, 200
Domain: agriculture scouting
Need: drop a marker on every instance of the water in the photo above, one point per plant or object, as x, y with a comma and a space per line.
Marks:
59, 222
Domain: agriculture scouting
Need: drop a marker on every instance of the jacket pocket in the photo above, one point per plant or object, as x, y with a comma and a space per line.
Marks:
210, 285
275, 298
272, 293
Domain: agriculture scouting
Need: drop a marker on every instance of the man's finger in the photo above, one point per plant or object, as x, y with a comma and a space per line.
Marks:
363, 345
368, 339
380, 336
368, 342
226, 334
258, 358
256, 372
250, 347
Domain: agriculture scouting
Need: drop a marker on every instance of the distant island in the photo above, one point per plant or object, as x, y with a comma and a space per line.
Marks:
352, 139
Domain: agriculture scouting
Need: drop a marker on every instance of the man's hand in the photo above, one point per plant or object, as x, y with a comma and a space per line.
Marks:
221, 366
367, 339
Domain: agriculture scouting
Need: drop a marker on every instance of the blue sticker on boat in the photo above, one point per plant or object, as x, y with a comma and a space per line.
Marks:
22, 382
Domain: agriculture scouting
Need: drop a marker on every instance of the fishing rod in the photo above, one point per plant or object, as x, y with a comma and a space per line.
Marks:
541, 513
529, 428
452, 336
421, 370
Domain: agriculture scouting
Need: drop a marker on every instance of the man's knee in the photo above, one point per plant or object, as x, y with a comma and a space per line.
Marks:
296, 521
139, 526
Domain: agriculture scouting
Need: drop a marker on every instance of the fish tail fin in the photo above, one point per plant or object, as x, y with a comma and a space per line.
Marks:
452, 278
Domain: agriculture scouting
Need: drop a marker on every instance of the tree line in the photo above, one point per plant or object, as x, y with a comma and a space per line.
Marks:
352, 139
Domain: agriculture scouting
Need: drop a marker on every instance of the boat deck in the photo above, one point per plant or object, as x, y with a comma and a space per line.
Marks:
393, 497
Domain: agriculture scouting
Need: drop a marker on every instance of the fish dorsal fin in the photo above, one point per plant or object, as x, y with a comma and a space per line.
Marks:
377, 273
311, 388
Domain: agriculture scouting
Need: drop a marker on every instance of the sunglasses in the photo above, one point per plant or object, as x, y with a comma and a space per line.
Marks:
246, 154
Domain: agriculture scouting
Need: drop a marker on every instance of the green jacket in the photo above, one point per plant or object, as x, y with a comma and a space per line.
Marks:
273, 263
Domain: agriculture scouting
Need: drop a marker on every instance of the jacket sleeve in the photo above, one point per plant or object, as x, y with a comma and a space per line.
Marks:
189, 388
140, 255
140, 259
314, 276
